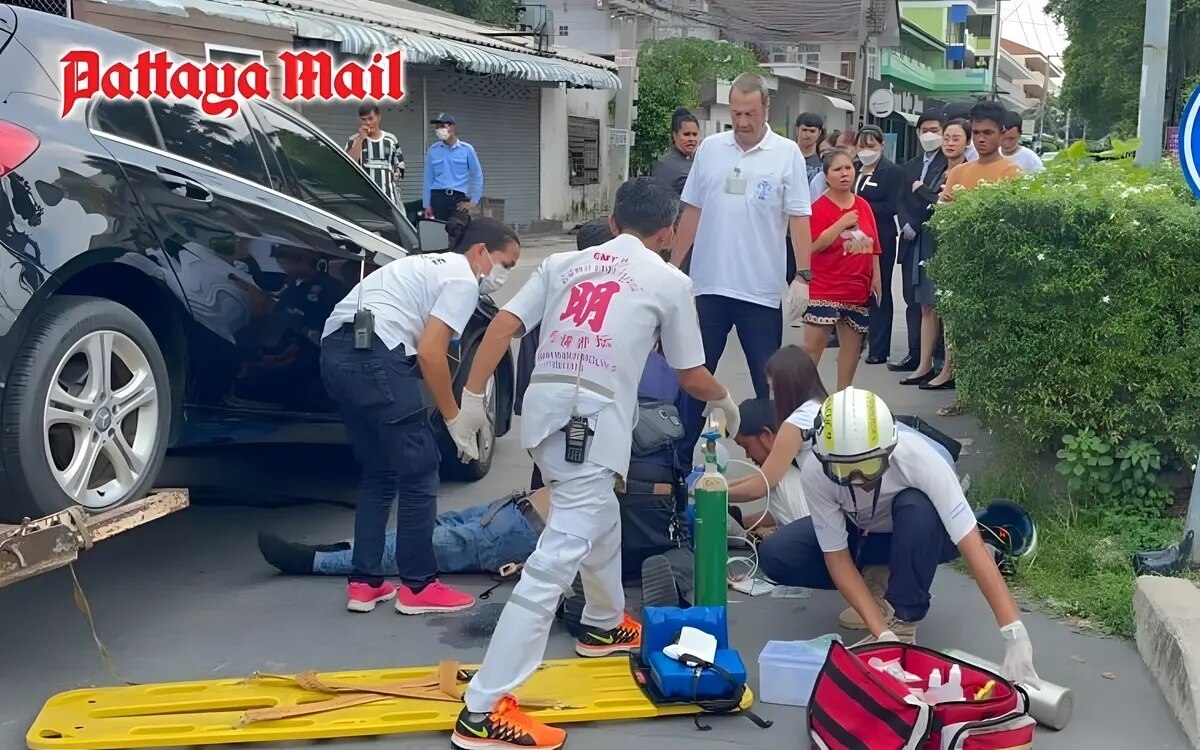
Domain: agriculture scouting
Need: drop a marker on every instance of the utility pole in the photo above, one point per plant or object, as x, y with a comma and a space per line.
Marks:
1154, 81
621, 134
996, 53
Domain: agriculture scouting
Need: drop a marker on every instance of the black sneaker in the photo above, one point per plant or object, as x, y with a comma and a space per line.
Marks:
658, 583
622, 639
506, 726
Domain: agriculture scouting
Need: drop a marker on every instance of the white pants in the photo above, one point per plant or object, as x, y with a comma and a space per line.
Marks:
583, 535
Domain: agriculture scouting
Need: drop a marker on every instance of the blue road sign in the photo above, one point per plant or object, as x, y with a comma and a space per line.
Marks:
1189, 142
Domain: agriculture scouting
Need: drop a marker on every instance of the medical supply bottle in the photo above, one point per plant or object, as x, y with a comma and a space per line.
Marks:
711, 543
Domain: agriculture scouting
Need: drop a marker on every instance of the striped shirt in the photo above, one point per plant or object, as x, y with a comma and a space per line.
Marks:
383, 161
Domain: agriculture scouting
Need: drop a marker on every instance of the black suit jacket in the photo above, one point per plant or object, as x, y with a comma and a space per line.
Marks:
916, 208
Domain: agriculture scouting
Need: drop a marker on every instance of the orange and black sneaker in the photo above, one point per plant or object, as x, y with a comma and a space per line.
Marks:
622, 639
506, 726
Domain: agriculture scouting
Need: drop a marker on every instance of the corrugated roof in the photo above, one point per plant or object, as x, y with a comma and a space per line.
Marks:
363, 26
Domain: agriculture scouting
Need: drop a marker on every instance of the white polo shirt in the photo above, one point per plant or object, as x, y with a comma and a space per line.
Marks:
915, 464
406, 292
601, 311
1026, 159
745, 198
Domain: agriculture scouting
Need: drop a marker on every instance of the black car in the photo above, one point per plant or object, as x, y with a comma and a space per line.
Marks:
165, 278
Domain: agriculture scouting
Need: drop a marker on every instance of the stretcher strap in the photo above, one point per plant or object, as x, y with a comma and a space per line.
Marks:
443, 686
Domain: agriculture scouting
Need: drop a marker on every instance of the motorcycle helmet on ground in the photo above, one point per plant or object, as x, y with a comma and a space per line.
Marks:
854, 436
1008, 527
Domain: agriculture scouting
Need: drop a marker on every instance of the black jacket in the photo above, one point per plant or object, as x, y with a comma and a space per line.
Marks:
883, 189
916, 207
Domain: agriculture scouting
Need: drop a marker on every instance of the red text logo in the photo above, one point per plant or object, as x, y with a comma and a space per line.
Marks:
219, 88
589, 304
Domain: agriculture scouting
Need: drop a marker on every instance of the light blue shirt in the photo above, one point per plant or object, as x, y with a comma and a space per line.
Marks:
453, 168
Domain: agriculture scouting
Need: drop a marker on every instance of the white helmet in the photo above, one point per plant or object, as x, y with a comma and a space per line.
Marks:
854, 436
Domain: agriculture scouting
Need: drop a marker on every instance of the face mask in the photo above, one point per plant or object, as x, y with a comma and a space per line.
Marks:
930, 141
868, 157
494, 279
442, 133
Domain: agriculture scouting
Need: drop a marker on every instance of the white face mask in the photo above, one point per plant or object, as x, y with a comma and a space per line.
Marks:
494, 279
442, 133
930, 141
868, 157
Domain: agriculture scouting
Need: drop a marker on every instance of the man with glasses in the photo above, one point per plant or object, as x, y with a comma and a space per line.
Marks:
878, 495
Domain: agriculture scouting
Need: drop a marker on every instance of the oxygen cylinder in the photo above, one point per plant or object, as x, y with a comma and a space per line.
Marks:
711, 542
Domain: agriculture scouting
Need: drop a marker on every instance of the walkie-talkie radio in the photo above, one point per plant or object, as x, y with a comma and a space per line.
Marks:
364, 319
578, 431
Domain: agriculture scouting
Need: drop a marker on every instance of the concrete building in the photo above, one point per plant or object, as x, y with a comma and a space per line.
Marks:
1027, 78
536, 112
594, 26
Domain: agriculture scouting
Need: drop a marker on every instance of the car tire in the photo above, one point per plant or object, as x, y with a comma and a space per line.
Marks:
452, 468
67, 437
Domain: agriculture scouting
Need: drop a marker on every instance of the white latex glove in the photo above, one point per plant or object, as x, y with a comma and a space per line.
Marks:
797, 300
1018, 654
464, 429
909, 232
733, 418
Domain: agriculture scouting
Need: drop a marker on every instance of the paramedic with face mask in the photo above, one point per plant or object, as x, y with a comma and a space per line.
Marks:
384, 346
453, 176
881, 496
601, 311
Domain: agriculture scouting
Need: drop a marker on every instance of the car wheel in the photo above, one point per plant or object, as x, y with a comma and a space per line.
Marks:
453, 469
86, 410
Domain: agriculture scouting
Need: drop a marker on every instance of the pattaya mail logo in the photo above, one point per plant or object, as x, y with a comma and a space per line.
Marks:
217, 88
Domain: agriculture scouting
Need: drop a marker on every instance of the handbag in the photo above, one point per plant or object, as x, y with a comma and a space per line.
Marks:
855, 706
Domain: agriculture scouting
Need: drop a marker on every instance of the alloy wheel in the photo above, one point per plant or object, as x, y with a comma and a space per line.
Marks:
100, 423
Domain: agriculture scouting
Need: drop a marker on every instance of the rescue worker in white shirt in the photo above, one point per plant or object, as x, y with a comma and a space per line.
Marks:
747, 188
880, 495
601, 311
383, 345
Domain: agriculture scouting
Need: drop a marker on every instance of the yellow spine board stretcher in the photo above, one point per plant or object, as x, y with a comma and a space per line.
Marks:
311, 706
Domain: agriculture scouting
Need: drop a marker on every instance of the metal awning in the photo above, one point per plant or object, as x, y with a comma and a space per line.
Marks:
361, 37
912, 118
841, 104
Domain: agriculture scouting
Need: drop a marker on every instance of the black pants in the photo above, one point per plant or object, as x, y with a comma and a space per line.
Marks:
444, 203
879, 339
912, 309
760, 331
917, 544
378, 393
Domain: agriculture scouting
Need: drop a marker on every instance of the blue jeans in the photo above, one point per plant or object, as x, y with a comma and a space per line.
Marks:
464, 541
379, 395
917, 544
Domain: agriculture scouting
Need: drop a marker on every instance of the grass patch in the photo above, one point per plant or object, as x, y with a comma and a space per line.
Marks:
1082, 568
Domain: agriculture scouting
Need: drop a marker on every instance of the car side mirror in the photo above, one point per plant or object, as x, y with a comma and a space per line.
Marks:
432, 235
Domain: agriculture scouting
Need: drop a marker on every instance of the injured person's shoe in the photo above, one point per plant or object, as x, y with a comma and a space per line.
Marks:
876, 577
622, 639
505, 726
658, 583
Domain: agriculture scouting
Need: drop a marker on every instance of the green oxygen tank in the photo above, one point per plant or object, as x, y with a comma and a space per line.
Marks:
711, 542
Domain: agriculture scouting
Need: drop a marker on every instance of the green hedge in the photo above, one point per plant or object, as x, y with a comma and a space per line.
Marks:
1072, 301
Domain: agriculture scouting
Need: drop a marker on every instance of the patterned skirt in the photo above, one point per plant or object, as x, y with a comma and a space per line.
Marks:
825, 313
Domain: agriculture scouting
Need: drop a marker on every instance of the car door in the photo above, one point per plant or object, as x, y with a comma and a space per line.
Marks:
251, 262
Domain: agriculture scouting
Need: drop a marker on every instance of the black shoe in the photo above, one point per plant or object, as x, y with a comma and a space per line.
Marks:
908, 364
946, 386
571, 610
876, 360
287, 557
920, 380
658, 583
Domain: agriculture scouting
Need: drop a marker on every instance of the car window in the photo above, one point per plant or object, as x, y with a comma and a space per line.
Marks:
328, 180
128, 119
221, 143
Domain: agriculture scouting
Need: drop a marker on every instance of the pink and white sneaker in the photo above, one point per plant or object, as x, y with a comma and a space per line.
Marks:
362, 597
434, 598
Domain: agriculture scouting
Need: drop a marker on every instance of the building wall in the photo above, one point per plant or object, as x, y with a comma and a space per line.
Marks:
931, 20
186, 37
574, 203
588, 28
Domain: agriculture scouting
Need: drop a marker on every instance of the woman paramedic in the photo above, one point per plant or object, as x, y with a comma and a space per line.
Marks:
384, 346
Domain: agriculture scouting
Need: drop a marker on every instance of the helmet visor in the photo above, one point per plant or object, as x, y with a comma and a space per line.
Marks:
860, 470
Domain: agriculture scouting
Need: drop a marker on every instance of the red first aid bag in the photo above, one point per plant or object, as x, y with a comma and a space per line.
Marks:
857, 707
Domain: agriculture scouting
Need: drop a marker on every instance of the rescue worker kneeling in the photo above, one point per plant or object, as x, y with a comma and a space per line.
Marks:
601, 311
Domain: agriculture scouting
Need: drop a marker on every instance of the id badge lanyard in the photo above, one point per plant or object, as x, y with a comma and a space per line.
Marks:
863, 533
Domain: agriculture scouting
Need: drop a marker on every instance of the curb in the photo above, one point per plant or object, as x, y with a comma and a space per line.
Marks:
1166, 614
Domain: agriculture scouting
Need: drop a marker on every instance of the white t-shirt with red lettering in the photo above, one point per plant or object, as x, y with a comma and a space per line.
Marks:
602, 310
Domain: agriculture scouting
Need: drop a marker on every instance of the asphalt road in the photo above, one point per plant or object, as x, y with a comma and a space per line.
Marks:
189, 597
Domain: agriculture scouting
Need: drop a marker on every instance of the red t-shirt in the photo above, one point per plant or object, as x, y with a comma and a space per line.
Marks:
838, 276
